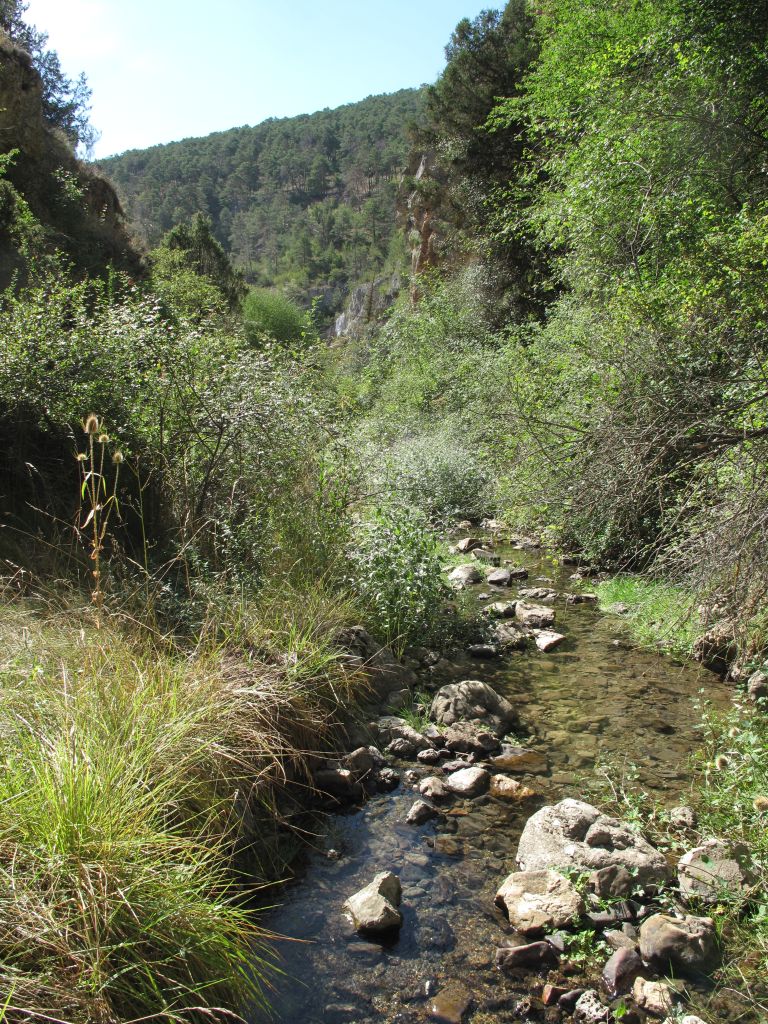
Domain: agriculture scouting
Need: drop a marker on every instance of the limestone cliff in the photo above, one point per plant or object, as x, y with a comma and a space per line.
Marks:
77, 212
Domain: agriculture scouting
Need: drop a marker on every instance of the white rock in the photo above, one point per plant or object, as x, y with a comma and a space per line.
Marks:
547, 639
539, 901
469, 781
374, 908
655, 997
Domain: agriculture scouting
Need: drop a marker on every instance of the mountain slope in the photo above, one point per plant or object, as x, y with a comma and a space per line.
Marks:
306, 203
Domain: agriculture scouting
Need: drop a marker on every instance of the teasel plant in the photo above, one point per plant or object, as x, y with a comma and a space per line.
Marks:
98, 498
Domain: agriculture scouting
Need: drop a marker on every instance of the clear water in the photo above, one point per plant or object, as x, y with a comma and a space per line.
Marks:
589, 701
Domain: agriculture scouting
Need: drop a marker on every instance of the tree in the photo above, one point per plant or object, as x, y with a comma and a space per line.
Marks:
197, 250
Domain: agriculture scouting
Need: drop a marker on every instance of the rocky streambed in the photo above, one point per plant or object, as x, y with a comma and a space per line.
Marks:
460, 871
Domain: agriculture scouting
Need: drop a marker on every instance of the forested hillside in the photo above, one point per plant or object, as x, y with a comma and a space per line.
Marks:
304, 203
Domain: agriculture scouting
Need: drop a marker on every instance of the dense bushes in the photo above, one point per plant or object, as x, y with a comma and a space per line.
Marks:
272, 314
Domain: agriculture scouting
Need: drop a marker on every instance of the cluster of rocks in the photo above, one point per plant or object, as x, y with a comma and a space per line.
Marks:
516, 622
624, 875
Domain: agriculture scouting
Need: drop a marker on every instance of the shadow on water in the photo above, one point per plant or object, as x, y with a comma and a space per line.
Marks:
591, 701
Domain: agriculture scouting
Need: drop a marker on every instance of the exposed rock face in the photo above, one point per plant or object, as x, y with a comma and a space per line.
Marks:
573, 834
473, 700
91, 230
712, 868
539, 901
684, 945
366, 303
374, 908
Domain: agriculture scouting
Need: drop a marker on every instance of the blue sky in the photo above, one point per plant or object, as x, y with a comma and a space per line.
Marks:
166, 69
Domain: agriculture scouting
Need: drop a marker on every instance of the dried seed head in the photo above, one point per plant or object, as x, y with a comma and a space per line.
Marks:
103, 438
760, 803
721, 762
91, 425
117, 458
81, 456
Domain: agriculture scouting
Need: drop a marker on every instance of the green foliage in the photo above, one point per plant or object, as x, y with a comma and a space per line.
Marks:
189, 251
272, 314
396, 568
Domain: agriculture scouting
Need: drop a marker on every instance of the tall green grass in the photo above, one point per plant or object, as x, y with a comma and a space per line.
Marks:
127, 771
659, 615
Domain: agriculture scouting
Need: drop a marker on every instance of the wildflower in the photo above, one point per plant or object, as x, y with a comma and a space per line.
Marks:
721, 762
117, 458
103, 438
81, 456
760, 803
91, 425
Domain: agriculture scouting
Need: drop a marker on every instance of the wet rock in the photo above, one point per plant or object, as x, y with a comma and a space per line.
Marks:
685, 945
517, 572
617, 608
339, 783
436, 933
501, 609
510, 638
519, 759
621, 970
429, 757
363, 762
533, 956
388, 779
536, 615
473, 700
550, 994
581, 598
713, 869
589, 1009
365, 950
539, 901
434, 788
547, 639
486, 555
757, 686
341, 1013
374, 908
683, 817
470, 738
465, 575
451, 1003
574, 834
499, 578
655, 997
421, 812
467, 544
469, 782
391, 728
485, 652
567, 1002
402, 748
613, 880
539, 594
504, 788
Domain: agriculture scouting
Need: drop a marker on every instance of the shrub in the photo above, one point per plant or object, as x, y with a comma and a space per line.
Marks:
397, 571
269, 312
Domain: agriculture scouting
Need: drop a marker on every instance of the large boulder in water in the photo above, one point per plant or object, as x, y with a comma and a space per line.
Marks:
472, 700
539, 901
575, 835
374, 908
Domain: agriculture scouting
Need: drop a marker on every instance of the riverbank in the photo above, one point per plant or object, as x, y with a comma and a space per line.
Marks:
591, 706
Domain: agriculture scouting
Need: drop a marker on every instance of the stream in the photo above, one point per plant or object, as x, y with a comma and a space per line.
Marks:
593, 701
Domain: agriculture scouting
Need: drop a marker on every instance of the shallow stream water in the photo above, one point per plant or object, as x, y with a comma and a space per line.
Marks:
592, 704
